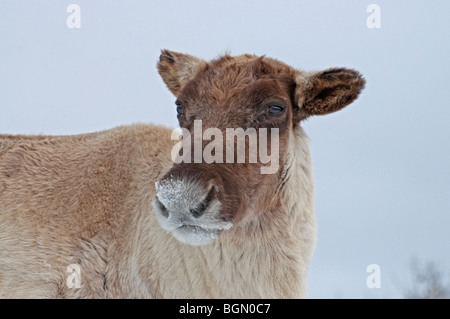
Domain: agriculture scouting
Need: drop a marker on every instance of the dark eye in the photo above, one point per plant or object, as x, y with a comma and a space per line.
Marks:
179, 108
275, 109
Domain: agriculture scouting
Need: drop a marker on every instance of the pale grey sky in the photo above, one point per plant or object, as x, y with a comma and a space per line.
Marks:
382, 165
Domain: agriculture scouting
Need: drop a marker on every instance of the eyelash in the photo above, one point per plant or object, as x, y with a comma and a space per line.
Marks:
275, 109
180, 110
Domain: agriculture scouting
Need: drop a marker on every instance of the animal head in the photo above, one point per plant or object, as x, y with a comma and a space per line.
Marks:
230, 109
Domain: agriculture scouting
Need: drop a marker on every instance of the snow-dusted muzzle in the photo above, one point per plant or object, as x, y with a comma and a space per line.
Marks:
189, 211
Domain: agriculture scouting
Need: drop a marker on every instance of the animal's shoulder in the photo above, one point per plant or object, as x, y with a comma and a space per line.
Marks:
5, 145
133, 131
122, 142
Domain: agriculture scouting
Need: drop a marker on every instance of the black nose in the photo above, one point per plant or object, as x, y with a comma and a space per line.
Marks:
201, 207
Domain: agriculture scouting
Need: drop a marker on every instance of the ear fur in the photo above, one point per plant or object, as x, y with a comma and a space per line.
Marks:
177, 69
328, 91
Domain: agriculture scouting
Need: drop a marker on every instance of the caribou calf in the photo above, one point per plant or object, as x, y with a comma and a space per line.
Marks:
113, 214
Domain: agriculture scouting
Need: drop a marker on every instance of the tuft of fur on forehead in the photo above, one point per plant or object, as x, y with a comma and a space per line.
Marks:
249, 66
226, 77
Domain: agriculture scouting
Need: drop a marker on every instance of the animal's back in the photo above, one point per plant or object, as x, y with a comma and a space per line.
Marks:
63, 201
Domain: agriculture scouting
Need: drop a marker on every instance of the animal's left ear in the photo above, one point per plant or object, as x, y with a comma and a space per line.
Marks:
328, 91
177, 69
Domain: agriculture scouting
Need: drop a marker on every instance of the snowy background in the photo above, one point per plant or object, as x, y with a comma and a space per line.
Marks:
382, 165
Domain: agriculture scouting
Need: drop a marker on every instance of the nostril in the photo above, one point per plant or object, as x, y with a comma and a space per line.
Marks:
163, 210
200, 209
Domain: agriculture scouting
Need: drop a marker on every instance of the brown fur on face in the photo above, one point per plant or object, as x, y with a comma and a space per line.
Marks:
316, 93
236, 92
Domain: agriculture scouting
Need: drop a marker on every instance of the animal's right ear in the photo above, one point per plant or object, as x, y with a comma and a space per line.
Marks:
328, 91
177, 69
